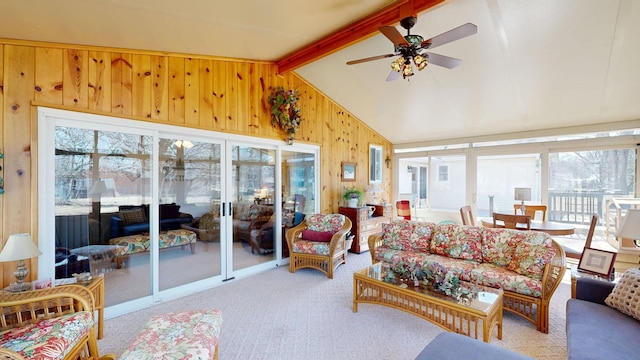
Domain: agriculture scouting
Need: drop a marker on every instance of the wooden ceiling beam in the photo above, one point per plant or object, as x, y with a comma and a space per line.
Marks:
354, 32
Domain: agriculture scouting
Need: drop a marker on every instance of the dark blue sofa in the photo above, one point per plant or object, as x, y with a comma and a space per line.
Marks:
170, 219
597, 331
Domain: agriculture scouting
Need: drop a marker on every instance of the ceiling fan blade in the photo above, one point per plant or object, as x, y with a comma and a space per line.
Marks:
441, 60
352, 62
460, 32
393, 75
394, 35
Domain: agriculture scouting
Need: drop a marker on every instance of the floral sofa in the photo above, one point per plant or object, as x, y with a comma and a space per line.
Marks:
527, 265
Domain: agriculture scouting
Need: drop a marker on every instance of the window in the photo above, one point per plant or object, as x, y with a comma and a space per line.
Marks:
443, 173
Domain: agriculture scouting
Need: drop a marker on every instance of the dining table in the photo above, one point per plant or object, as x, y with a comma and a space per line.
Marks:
550, 227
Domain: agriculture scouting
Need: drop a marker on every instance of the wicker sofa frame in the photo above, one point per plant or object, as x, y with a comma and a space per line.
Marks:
29, 307
533, 309
327, 264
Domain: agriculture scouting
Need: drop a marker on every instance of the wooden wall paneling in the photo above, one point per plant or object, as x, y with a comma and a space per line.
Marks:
206, 93
75, 91
121, 79
99, 80
19, 82
3, 235
176, 90
219, 92
191, 91
243, 100
265, 74
231, 97
160, 87
141, 86
48, 75
255, 94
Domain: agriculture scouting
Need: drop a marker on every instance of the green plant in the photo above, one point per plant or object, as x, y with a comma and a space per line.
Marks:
352, 193
285, 111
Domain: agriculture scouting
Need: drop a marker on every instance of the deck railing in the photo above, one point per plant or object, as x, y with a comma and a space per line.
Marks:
575, 207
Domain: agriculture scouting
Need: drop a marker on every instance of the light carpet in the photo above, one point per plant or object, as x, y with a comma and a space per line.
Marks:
279, 315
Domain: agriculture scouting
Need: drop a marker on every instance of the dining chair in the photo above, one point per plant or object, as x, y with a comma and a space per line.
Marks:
511, 221
467, 215
531, 210
403, 207
573, 253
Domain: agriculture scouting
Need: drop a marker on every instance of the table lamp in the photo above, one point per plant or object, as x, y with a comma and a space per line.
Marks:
20, 247
630, 226
523, 194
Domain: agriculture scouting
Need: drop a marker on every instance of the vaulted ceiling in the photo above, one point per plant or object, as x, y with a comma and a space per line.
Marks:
532, 64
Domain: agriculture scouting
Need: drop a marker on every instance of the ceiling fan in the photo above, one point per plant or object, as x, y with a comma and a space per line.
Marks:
410, 48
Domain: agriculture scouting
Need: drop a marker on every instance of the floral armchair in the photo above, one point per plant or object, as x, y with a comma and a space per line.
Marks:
54, 323
318, 242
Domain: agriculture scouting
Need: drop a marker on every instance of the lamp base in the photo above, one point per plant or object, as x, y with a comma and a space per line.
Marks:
18, 287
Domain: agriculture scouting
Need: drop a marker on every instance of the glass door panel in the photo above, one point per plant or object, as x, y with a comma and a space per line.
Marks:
499, 175
253, 195
103, 188
189, 203
298, 191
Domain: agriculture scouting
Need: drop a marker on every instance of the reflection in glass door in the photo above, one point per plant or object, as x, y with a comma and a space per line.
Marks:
253, 199
189, 211
102, 196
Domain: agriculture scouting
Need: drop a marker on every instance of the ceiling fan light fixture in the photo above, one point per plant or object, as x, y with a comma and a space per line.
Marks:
407, 71
397, 64
420, 62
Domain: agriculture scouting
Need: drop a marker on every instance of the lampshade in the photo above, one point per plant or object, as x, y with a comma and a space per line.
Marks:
630, 225
19, 247
98, 188
523, 194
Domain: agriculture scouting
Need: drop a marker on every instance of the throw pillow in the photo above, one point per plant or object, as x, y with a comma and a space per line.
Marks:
625, 296
169, 211
134, 216
319, 236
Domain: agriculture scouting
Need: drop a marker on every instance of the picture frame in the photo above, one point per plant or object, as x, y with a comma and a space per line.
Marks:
375, 164
348, 171
597, 261
41, 284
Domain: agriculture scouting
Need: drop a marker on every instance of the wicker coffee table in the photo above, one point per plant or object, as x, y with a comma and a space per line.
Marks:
463, 317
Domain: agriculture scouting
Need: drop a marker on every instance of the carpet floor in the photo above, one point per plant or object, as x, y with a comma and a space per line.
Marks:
279, 315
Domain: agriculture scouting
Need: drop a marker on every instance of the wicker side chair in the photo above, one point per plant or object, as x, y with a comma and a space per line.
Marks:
318, 242
62, 318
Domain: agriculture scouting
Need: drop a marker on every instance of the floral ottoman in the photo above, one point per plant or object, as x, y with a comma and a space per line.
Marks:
181, 335
141, 242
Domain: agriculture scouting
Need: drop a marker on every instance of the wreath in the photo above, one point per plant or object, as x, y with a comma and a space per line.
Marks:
285, 111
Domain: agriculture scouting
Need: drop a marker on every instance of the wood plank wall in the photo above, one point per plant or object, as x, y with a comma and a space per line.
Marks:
225, 95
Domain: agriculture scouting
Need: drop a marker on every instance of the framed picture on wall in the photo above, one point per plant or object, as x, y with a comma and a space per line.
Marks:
375, 164
597, 261
348, 171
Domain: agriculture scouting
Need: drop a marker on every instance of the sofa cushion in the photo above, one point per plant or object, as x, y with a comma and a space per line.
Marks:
397, 235
460, 268
321, 236
169, 211
325, 222
133, 216
597, 331
500, 278
311, 247
458, 241
531, 256
48, 339
625, 296
421, 236
499, 244
241, 211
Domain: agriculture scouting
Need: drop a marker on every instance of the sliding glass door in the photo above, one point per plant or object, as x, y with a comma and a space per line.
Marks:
161, 210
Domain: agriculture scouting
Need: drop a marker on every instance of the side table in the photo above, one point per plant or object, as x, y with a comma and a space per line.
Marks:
575, 274
96, 286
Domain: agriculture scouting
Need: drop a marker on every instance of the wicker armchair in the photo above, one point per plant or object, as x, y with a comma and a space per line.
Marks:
21, 314
318, 242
